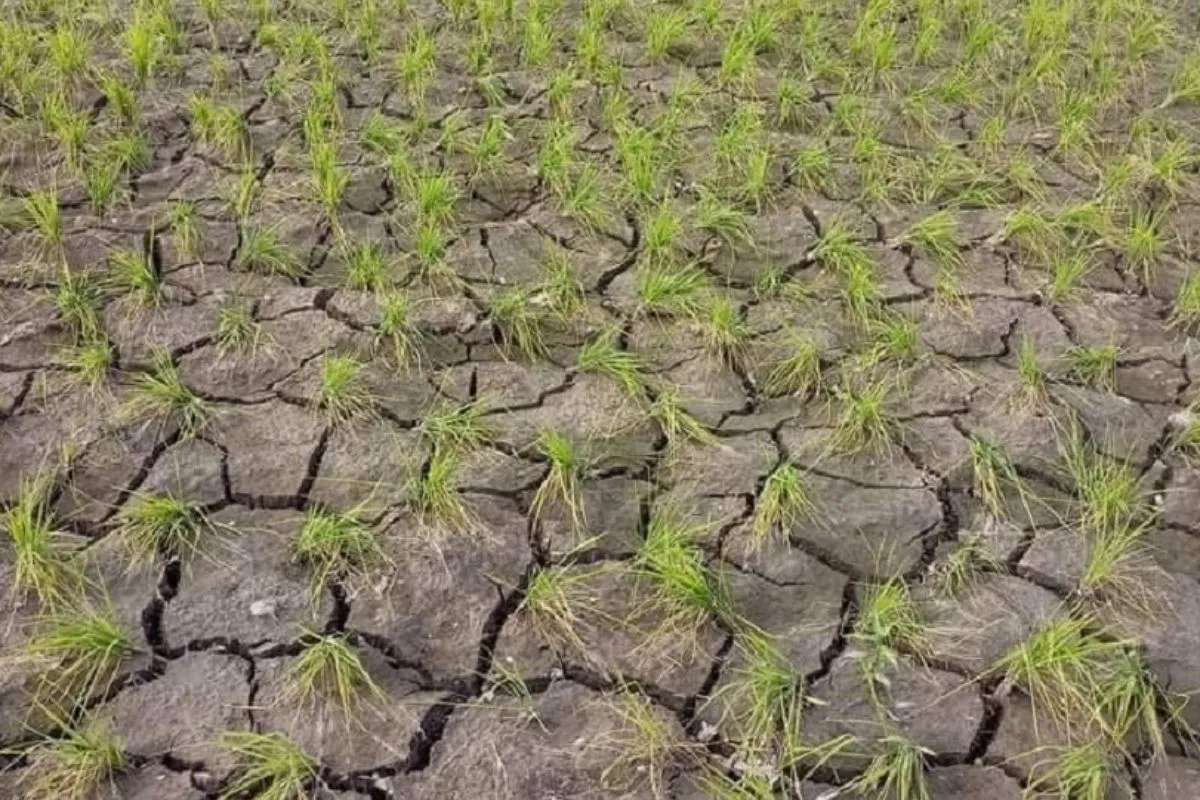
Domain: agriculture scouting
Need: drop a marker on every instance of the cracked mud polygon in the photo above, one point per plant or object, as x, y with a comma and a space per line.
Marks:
554, 399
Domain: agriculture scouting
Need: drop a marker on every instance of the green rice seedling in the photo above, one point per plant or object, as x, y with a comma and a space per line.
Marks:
434, 494
243, 192
724, 220
755, 188
270, 767
329, 179
1107, 490
383, 137
397, 328
81, 649
799, 373
42, 210
1170, 171
839, 249
948, 290
1186, 311
897, 772
161, 395
142, 46
739, 63
643, 162
435, 196
366, 266
723, 331
1066, 271
237, 329
864, 421
782, 502
993, 474
664, 29
562, 485
76, 764
262, 250
671, 290
68, 50
1144, 242
1032, 394
77, 300
101, 182
1128, 701
603, 356
457, 428
889, 624
162, 525
487, 155
553, 604
673, 419
556, 154
969, 559
336, 547
330, 668
812, 168
91, 362
793, 103
1087, 222
936, 236
431, 267
766, 696
721, 785
662, 232
647, 749
1059, 666
1079, 772
133, 273
1095, 365
184, 224
584, 199
342, 393
893, 337
561, 290
683, 593
1185, 87
1033, 232
1117, 568
69, 127
521, 323
417, 63
41, 564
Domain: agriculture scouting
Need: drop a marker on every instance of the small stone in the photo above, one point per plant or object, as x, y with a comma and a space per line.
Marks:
262, 608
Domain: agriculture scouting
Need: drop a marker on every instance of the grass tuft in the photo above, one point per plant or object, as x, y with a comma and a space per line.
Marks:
889, 624
342, 394
76, 764
562, 485
336, 547
41, 565
81, 649
330, 667
270, 767
897, 772
782, 503
161, 395
604, 356
160, 525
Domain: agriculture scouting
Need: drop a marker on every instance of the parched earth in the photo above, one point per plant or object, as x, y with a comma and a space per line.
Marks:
442, 625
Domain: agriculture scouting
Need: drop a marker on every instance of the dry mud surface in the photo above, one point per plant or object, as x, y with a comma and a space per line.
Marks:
479, 696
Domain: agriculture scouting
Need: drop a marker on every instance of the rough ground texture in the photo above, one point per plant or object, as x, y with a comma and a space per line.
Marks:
479, 697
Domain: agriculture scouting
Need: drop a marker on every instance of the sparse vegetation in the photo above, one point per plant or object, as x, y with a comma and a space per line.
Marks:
813, 281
